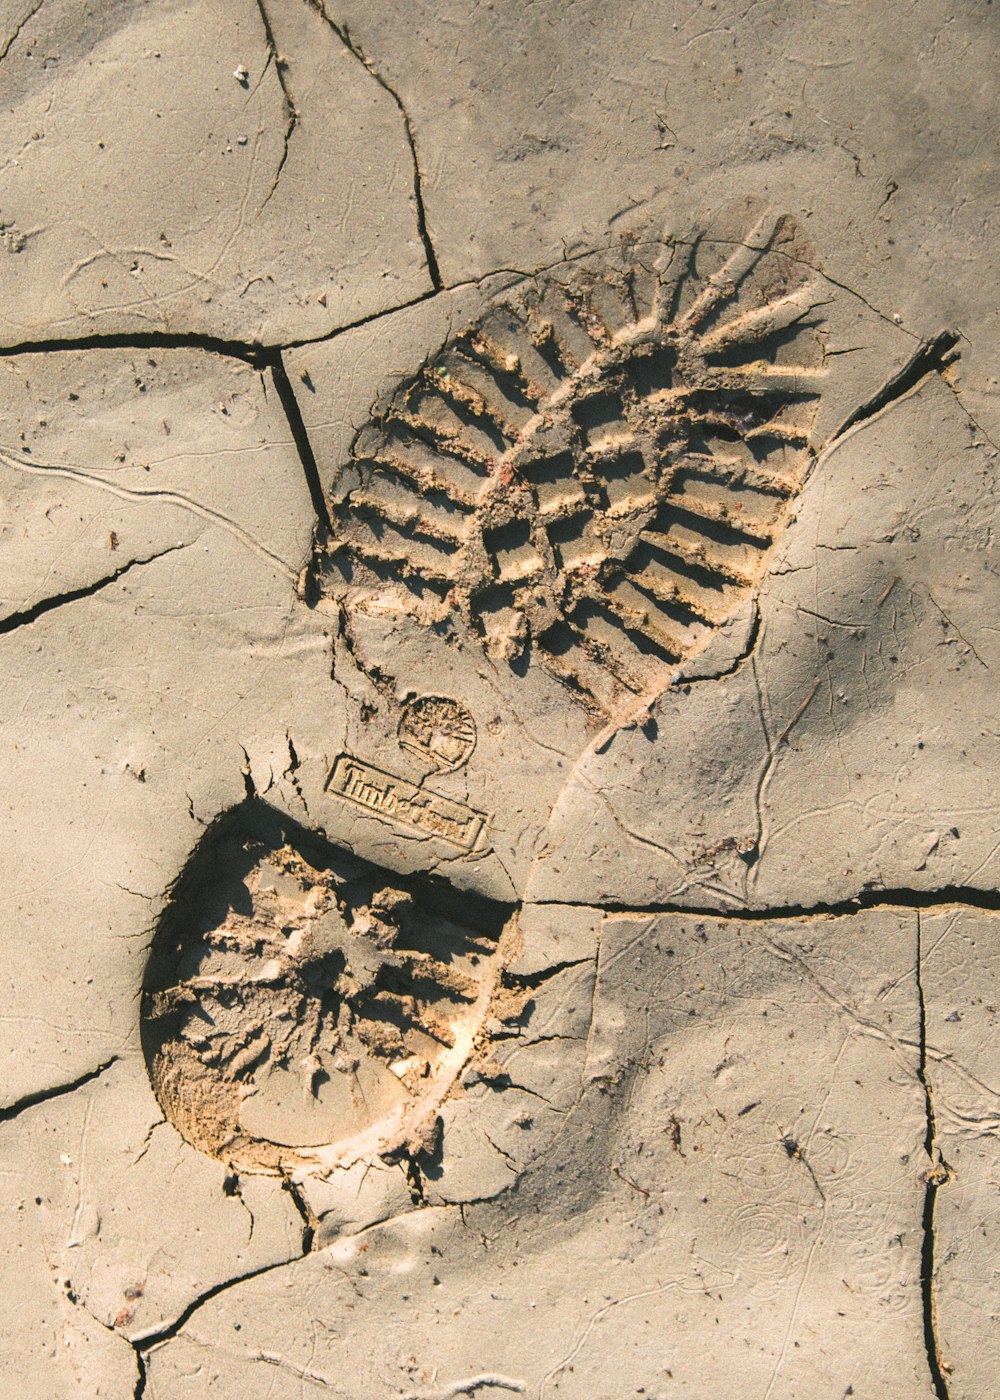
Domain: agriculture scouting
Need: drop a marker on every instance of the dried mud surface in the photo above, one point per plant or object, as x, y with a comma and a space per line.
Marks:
497, 593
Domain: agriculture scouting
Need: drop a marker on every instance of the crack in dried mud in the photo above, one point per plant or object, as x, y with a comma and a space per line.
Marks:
27, 616
143, 1346
146, 340
271, 1358
748, 649
936, 1176
260, 353
889, 320
44, 1095
291, 110
945, 896
310, 1221
300, 437
930, 357
470, 1386
344, 35
16, 34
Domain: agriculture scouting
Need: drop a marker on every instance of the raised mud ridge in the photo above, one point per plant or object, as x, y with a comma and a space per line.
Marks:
592, 475
304, 1008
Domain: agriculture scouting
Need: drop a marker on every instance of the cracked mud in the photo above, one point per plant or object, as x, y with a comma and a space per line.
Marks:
497, 594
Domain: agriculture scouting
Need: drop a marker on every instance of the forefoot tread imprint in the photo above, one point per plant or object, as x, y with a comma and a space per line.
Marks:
594, 473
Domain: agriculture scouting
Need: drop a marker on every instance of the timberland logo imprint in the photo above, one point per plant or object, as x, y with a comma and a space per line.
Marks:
396, 800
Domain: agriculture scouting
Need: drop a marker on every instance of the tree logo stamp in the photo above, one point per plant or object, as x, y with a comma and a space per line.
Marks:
438, 729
